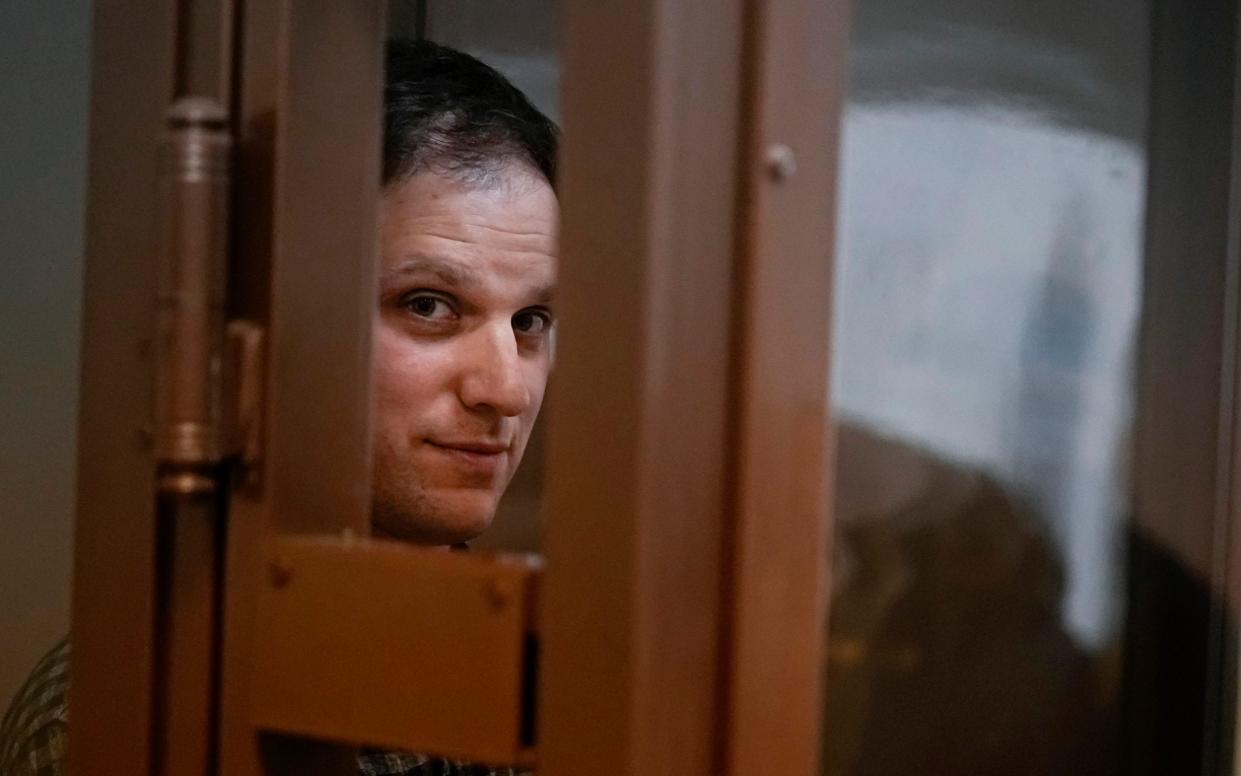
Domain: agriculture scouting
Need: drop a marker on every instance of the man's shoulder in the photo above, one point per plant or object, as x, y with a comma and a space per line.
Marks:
34, 731
374, 762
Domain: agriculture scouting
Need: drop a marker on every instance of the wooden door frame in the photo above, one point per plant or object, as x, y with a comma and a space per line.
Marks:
697, 250
309, 127
312, 74
1184, 560
113, 607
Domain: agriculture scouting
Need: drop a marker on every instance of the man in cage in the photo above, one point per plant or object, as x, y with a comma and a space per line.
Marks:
463, 339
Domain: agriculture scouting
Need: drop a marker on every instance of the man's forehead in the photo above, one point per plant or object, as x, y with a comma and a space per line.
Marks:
514, 189
467, 237
536, 278
522, 216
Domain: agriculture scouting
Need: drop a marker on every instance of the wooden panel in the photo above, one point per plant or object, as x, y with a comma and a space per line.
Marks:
782, 536
638, 442
114, 558
392, 646
1226, 746
205, 39
186, 638
326, 200
1181, 441
309, 134
1230, 680
1182, 320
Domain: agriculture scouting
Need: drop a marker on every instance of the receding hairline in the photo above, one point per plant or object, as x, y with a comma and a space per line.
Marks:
514, 174
449, 112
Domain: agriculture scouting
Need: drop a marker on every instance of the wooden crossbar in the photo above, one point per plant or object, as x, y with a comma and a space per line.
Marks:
364, 643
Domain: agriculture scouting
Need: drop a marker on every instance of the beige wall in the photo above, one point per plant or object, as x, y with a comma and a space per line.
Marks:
44, 63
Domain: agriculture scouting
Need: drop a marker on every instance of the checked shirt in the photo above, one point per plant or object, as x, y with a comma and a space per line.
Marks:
34, 733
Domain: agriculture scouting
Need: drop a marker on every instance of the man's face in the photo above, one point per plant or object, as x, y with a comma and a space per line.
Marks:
462, 347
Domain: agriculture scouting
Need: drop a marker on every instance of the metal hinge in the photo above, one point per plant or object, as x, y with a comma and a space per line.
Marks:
244, 392
209, 370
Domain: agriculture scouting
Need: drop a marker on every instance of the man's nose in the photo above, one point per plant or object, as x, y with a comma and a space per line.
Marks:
492, 375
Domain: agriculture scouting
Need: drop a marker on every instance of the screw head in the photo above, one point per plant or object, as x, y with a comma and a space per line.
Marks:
781, 162
497, 596
279, 573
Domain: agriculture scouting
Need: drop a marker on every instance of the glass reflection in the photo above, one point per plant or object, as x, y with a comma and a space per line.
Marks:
987, 294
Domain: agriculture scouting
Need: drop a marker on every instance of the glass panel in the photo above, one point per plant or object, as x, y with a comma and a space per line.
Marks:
988, 291
521, 40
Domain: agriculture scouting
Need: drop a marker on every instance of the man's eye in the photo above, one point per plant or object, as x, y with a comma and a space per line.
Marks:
429, 307
532, 322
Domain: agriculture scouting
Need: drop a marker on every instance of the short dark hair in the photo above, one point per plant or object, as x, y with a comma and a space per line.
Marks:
446, 111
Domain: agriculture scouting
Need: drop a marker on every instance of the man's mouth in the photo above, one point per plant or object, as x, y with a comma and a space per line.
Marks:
470, 446
476, 456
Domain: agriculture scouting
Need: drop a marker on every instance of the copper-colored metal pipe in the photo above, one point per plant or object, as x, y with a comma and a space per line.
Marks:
195, 174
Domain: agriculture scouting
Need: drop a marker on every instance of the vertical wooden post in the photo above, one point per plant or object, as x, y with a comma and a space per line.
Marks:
689, 434
1183, 445
310, 107
783, 464
114, 542
638, 426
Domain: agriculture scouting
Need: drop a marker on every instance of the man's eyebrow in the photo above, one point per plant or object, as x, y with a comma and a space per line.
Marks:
451, 272
544, 294
458, 275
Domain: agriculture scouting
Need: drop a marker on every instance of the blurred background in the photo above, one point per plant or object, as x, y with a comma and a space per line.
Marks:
44, 88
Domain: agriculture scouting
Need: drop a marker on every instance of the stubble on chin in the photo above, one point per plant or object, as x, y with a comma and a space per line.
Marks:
410, 514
